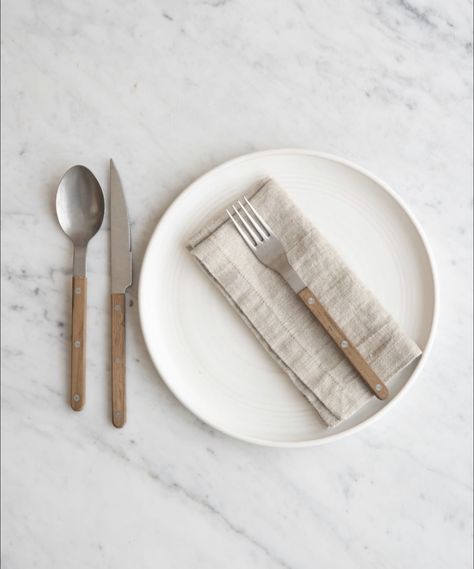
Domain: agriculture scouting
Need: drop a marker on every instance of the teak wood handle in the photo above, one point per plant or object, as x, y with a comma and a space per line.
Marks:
118, 360
344, 344
78, 343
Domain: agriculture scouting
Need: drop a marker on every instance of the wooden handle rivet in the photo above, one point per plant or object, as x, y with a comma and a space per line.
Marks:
77, 290
77, 344
77, 397
355, 358
116, 360
117, 413
117, 307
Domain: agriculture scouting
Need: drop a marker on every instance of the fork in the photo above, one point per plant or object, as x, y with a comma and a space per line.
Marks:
269, 250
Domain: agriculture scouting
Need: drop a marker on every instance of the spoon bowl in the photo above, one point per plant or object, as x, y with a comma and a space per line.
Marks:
80, 205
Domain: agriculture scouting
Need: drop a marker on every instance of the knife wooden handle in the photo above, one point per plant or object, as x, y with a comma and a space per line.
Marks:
118, 360
344, 344
78, 343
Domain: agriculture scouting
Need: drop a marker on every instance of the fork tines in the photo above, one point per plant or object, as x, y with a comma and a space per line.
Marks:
250, 225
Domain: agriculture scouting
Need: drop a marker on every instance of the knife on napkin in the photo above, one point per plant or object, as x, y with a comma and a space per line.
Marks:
121, 270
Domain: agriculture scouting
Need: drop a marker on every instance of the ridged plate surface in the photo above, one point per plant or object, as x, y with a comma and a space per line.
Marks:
208, 357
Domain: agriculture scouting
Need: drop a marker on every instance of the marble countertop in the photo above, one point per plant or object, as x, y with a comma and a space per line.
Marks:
169, 90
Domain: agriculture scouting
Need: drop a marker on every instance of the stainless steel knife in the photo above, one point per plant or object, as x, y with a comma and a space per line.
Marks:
121, 271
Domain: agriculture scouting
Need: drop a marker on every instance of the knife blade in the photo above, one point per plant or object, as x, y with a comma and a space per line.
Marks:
121, 279
120, 237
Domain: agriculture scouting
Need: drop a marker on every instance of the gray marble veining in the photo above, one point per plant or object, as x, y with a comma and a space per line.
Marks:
171, 89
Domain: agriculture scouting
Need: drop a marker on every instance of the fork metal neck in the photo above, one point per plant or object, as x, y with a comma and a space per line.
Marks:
293, 279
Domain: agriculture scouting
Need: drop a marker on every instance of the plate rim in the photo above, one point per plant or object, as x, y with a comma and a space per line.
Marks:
434, 277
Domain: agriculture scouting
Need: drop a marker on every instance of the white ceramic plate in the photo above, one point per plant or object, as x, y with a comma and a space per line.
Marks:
209, 358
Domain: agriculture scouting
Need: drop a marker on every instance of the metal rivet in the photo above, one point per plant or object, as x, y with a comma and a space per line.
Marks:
76, 397
77, 344
378, 387
117, 413
117, 307
77, 290
344, 344
116, 360
311, 300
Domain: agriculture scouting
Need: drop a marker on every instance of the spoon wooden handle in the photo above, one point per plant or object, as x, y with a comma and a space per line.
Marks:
118, 360
344, 344
78, 342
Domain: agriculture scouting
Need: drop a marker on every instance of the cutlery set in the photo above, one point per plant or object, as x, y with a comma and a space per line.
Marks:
80, 209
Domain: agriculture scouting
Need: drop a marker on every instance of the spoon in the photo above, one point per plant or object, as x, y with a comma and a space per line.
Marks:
80, 210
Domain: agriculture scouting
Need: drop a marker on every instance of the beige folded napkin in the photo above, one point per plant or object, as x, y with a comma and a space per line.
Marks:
283, 324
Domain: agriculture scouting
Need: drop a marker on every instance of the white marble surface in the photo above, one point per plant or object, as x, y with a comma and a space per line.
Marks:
171, 89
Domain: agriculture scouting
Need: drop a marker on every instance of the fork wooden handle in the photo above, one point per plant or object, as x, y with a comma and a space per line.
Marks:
344, 344
118, 360
78, 343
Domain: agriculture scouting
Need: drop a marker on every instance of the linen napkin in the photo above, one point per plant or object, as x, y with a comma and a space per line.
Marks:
284, 325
